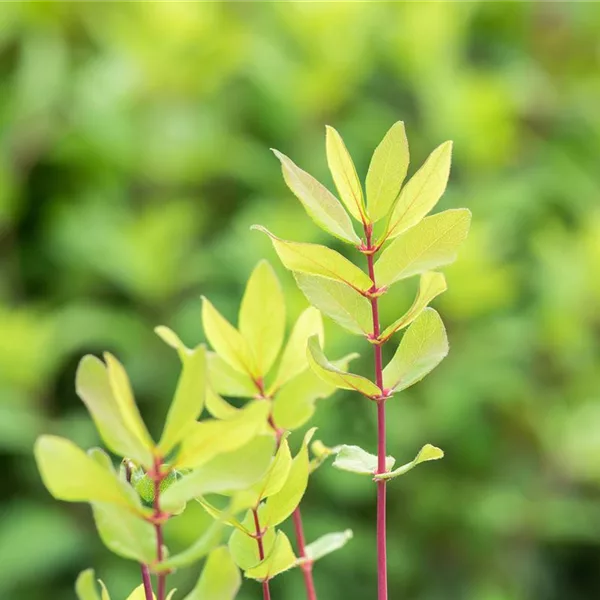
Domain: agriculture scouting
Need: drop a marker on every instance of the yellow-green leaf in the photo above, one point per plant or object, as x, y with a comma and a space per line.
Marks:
281, 505
280, 559
422, 192
423, 347
226, 340
320, 204
262, 316
331, 374
344, 174
188, 401
276, 476
326, 544
220, 578
427, 452
244, 548
227, 381
208, 438
338, 301
138, 594
357, 460
228, 472
218, 407
432, 284
70, 474
387, 171
315, 259
85, 586
172, 339
433, 243
293, 359
93, 387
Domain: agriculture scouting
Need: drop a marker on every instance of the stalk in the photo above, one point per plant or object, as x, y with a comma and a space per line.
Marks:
162, 577
382, 593
261, 552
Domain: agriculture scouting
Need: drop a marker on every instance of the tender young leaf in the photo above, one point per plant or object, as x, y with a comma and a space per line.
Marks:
344, 174
338, 301
293, 360
423, 347
219, 408
123, 394
320, 204
282, 504
226, 340
357, 460
387, 171
102, 459
208, 438
422, 192
93, 387
315, 259
188, 401
139, 594
327, 544
70, 474
243, 548
226, 473
432, 284
220, 578
331, 374
427, 452
207, 542
276, 476
227, 381
172, 339
225, 516
294, 403
280, 559
85, 586
433, 243
262, 316
124, 533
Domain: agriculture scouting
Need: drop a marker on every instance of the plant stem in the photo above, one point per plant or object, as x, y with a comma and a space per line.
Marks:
148, 592
261, 552
381, 432
162, 577
307, 565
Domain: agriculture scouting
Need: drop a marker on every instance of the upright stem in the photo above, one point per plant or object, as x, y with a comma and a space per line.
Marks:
381, 432
307, 564
148, 592
261, 552
162, 577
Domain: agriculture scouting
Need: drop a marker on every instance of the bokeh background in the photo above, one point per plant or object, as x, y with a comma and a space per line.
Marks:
134, 156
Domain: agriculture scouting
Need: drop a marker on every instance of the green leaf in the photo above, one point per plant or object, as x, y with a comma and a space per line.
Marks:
427, 452
244, 548
338, 301
85, 586
125, 533
208, 438
422, 192
387, 171
344, 174
357, 460
220, 578
93, 387
280, 559
226, 340
207, 542
331, 374
102, 459
315, 259
432, 284
224, 516
188, 401
262, 316
293, 360
123, 395
227, 381
226, 473
219, 408
327, 544
138, 594
106, 595
70, 474
282, 504
423, 347
172, 339
320, 204
277, 474
433, 243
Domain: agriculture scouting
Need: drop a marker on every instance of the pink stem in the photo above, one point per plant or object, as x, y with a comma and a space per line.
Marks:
162, 577
307, 565
147, 582
261, 553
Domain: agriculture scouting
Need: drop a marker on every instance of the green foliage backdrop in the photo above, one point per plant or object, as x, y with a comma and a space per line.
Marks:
134, 156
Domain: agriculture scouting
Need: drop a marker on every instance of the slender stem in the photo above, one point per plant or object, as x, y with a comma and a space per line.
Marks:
162, 577
382, 593
307, 565
261, 552
148, 592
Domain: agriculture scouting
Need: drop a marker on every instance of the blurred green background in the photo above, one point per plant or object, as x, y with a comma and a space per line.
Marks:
134, 156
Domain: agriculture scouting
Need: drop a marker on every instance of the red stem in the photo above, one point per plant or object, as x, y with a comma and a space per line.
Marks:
307, 565
148, 592
261, 553
381, 432
162, 577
